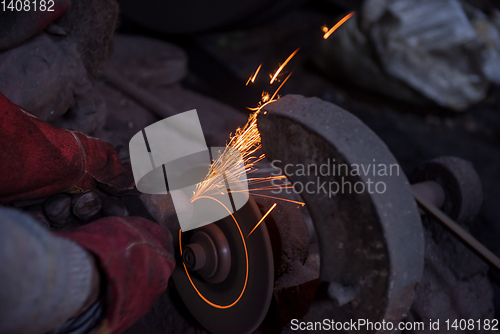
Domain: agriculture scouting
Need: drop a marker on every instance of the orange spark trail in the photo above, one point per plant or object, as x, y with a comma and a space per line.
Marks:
283, 65
277, 90
262, 219
280, 199
335, 27
265, 97
252, 77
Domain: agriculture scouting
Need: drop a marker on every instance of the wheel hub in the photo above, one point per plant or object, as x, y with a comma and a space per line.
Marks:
208, 254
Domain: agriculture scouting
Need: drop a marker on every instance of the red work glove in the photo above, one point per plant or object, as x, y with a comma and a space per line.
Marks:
38, 159
136, 257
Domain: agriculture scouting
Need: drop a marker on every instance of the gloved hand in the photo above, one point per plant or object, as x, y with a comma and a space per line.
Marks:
39, 159
48, 278
136, 257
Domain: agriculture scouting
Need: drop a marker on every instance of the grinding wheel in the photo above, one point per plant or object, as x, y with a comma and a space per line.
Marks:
224, 275
371, 244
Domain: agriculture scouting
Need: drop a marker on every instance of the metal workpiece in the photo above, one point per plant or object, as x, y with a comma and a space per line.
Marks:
371, 243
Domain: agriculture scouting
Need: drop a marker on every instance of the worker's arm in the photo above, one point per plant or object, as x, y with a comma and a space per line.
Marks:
107, 273
38, 159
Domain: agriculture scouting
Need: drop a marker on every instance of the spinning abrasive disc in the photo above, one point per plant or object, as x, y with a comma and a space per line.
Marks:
224, 275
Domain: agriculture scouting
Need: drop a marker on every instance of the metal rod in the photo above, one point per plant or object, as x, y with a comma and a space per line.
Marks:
459, 232
431, 191
140, 95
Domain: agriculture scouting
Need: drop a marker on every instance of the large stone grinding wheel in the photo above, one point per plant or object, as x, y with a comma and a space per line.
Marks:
371, 245
228, 285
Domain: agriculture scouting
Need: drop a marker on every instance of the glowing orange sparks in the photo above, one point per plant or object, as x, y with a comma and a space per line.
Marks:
252, 77
265, 96
262, 219
277, 90
280, 199
283, 65
335, 27
246, 141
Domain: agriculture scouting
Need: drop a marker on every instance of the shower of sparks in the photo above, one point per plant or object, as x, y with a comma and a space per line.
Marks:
265, 97
244, 145
247, 142
262, 219
252, 77
335, 27
282, 66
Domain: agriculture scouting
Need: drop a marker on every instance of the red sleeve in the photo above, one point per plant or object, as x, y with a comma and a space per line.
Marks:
38, 159
136, 256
